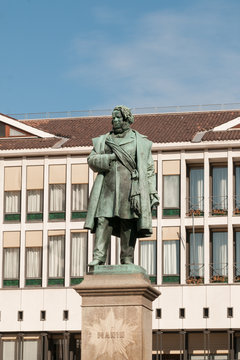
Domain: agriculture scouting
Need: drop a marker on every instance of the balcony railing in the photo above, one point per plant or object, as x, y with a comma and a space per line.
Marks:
236, 272
236, 205
195, 273
219, 205
219, 273
195, 206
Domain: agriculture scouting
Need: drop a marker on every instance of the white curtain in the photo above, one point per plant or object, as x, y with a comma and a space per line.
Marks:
171, 191
57, 198
8, 350
220, 253
220, 188
12, 202
237, 187
11, 263
56, 256
30, 350
148, 256
79, 197
237, 253
33, 262
78, 254
196, 189
171, 257
34, 201
196, 254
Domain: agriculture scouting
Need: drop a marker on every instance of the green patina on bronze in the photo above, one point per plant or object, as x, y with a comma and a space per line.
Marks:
124, 191
117, 269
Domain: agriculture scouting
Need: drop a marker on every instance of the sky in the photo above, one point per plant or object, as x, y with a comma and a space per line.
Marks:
63, 55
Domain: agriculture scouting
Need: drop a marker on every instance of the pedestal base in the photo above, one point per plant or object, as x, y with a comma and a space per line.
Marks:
116, 315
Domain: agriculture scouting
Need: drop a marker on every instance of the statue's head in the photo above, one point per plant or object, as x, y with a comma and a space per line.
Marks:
122, 118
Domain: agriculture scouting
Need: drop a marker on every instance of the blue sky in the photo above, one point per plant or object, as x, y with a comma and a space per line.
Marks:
59, 55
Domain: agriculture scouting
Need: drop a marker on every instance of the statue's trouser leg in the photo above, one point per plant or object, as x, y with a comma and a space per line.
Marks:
128, 234
102, 239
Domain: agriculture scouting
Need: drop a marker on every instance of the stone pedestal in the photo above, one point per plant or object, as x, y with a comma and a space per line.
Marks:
117, 313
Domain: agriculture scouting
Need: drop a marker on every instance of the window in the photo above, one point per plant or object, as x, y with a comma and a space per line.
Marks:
237, 256
219, 266
56, 260
195, 204
171, 198
219, 190
205, 313
9, 349
78, 256
195, 261
181, 313
11, 266
148, 257
171, 188
79, 200
12, 193
79, 178
229, 312
171, 254
33, 258
236, 204
57, 189
158, 313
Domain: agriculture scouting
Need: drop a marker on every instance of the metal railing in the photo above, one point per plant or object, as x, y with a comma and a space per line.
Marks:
219, 272
135, 110
195, 206
195, 273
219, 205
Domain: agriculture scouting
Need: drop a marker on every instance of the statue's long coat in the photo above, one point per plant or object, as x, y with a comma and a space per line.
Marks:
147, 182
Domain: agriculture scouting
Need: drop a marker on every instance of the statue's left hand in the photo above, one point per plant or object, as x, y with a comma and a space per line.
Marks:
154, 200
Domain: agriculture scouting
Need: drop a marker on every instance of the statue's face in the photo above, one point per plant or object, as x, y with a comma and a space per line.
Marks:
119, 125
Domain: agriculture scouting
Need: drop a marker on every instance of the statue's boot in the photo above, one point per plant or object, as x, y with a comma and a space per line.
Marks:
96, 262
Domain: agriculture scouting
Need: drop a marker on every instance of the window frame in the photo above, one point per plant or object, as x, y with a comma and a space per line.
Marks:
56, 280
176, 211
216, 212
79, 214
218, 278
78, 279
16, 216
7, 281
56, 215
193, 279
193, 212
171, 278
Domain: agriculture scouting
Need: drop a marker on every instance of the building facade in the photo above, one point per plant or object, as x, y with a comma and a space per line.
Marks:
193, 256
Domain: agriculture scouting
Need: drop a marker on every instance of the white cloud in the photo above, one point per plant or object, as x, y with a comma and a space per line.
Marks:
169, 58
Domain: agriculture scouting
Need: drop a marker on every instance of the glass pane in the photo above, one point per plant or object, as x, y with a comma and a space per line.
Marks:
220, 253
33, 262
171, 257
8, 350
237, 187
30, 350
78, 254
12, 202
57, 198
171, 191
34, 201
148, 256
220, 188
237, 254
79, 197
56, 256
196, 254
11, 263
196, 189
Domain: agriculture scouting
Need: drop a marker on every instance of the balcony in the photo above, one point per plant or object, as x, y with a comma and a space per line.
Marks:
195, 274
195, 206
219, 273
236, 205
219, 205
236, 272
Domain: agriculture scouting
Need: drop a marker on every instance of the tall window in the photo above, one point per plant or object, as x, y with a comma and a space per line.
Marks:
237, 190
33, 257
9, 349
195, 270
171, 254
219, 190
30, 350
12, 189
237, 256
78, 256
34, 192
79, 190
196, 191
11, 258
57, 190
219, 256
56, 259
148, 256
171, 188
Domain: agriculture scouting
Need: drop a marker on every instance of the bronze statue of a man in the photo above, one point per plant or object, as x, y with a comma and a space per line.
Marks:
124, 191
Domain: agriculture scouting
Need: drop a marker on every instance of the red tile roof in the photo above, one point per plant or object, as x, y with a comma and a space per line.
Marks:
159, 128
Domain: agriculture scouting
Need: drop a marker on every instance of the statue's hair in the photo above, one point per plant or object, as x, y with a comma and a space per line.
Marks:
126, 113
